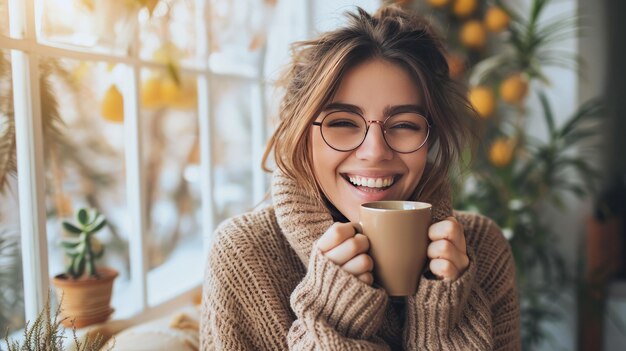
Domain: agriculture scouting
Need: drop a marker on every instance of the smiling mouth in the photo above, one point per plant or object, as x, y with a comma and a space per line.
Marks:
371, 183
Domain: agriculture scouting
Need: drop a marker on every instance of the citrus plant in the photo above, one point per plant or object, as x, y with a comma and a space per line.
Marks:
514, 176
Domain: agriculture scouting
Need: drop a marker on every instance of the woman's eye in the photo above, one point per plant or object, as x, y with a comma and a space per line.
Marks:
342, 123
406, 125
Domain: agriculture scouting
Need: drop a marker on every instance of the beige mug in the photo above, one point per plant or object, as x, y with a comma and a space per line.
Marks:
398, 236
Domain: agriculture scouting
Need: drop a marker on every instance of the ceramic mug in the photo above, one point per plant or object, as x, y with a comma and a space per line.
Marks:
398, 236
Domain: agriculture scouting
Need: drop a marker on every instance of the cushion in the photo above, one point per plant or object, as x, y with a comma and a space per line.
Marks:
179, 331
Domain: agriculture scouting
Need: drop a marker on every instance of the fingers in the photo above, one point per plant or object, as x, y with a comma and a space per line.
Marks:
448, 229
366, 278
447, 251
348, 249
344, 246
444, 249
360, 264
335, 235
444, 269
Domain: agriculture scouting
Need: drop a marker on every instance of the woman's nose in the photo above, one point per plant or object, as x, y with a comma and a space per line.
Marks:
374, 147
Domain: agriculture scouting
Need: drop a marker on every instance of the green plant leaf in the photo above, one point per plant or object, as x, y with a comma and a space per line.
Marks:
91, 268
488, 67
536, 8
79, 266
69, 270
70, 243
561, 27
591, 108
93, 216
70, 228
100, 222
83, 217
547, 113
76, 250
575, 137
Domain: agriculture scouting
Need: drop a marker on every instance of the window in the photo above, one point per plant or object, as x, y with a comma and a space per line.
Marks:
157, 116
131, 110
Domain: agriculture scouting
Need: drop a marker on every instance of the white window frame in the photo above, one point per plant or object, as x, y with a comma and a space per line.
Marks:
25, 54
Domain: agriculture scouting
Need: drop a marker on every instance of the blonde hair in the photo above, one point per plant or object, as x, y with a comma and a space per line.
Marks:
318, 65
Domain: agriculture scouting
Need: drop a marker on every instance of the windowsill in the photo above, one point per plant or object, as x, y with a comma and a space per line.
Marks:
182, 271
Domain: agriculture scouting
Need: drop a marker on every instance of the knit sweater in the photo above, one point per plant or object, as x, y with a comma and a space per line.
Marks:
267, 287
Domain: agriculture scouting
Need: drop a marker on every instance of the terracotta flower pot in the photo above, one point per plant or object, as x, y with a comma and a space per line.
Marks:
85, 301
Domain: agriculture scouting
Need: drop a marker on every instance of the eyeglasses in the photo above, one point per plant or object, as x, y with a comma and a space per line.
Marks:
404, 132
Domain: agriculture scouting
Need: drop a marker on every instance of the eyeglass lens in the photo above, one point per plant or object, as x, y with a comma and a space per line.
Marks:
403, 132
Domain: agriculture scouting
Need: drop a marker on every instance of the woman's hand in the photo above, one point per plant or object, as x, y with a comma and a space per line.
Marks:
345, 247
447, 250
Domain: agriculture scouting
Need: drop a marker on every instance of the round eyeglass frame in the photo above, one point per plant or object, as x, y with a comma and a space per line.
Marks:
368, 123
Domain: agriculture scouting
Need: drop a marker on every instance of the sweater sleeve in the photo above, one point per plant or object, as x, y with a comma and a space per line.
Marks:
221, 320
478, 311
245, 297
499, 284
335, 310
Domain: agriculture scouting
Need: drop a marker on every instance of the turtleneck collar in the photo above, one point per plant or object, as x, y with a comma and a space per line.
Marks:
303, 218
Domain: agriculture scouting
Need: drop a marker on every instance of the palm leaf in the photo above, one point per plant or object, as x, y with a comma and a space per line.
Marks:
564, 26
488, 67
8, 162
590, 109
51, 120
11, 295
547, 113
559, 58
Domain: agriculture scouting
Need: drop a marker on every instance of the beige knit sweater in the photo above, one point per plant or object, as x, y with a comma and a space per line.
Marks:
266, 288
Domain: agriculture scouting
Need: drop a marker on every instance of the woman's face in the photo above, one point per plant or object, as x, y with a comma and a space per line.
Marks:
372, 88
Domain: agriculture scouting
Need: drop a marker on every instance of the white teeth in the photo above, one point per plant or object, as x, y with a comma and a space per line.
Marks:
371, 182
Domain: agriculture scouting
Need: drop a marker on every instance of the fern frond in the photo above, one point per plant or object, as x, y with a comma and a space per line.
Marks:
8, 162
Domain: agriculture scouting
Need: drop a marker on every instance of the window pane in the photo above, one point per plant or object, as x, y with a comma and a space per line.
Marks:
11, 283
170, 145
237, 31
82, 113
232, 147
168, 34
105, 26
4, 18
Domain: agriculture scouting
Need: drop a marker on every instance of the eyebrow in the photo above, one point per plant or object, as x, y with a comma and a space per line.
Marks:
388, 111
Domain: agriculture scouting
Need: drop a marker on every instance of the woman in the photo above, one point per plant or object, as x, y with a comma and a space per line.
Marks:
369, 113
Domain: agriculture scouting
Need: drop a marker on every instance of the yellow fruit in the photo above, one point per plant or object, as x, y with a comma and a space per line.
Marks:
181, 96
189, 98
150, 5
112, 107
464, 8
88, 4
481, 97
496, 19
151, 93
501, 152
514, 89
170, 91
456, 65
438, 3
473, 35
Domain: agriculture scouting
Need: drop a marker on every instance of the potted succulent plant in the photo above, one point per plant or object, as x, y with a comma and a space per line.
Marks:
85, 289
